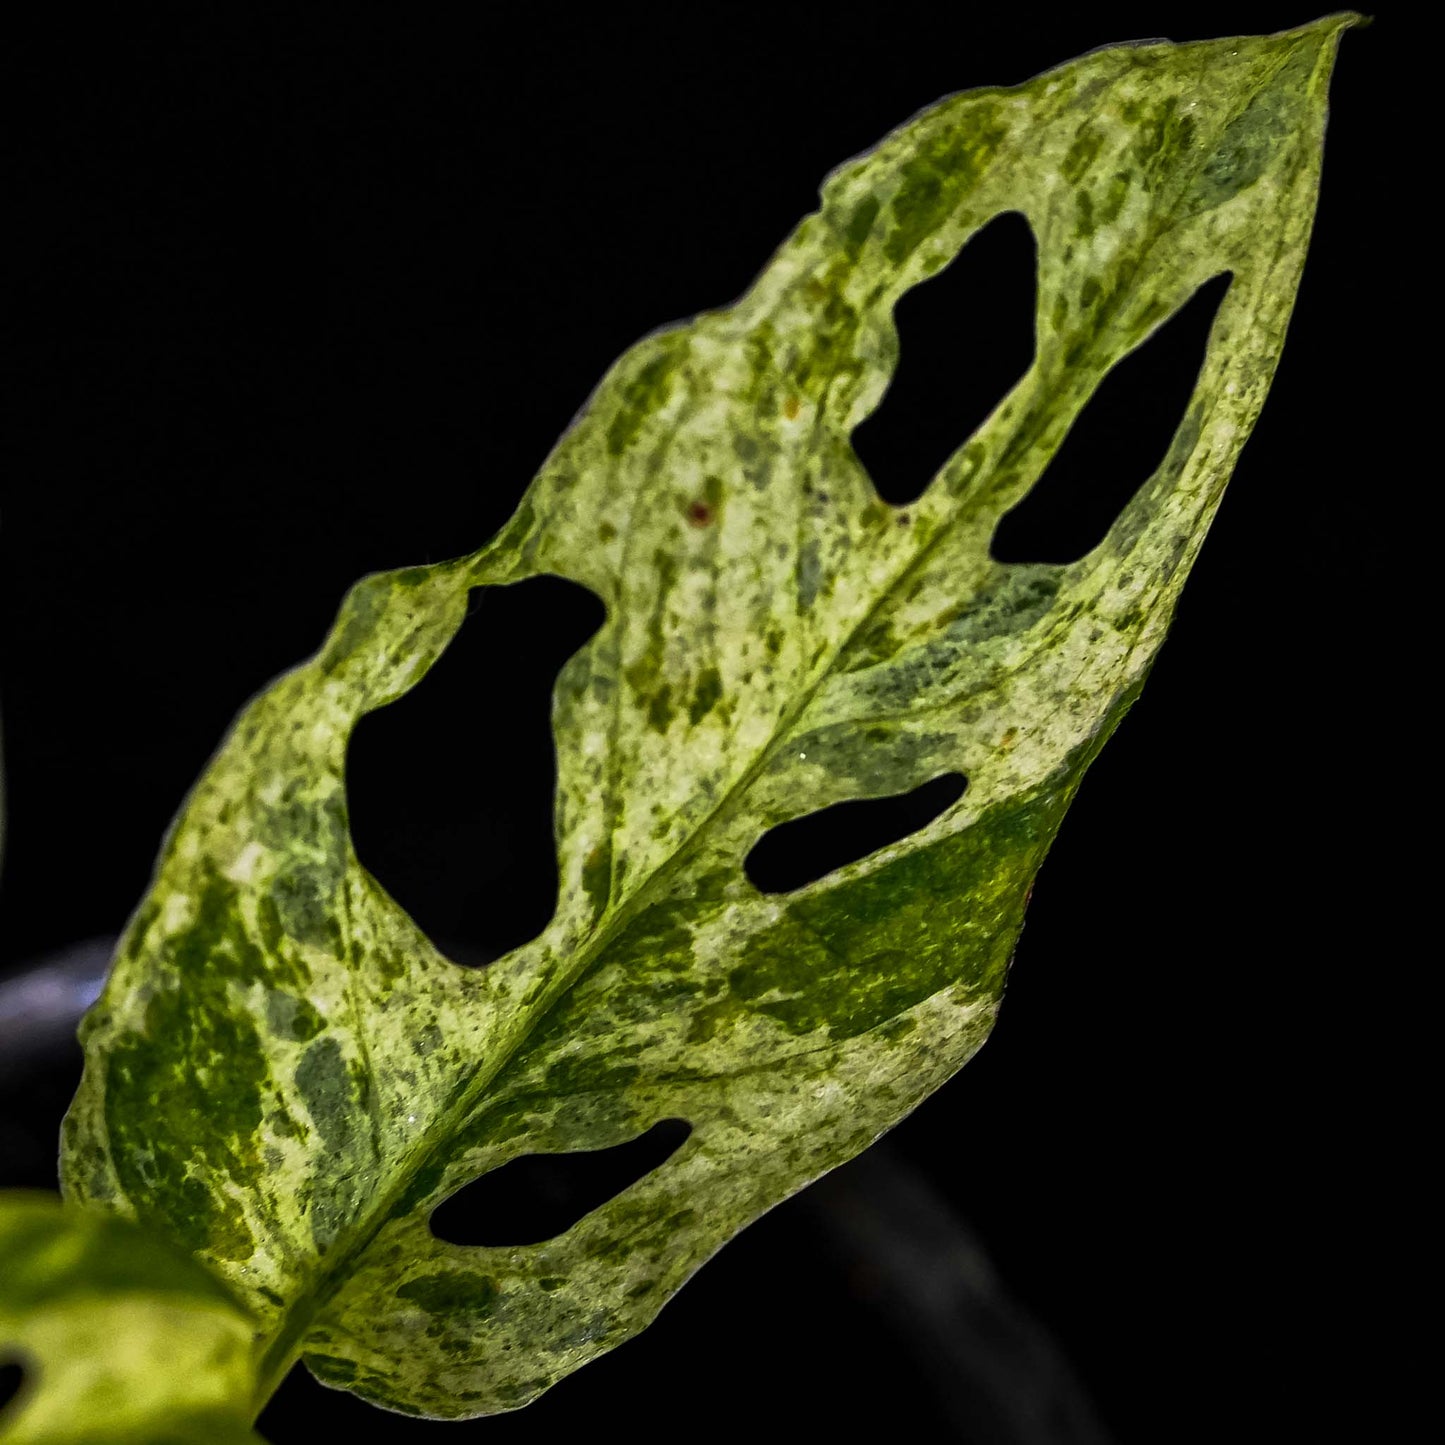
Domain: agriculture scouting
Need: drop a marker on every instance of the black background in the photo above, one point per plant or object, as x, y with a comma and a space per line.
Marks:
304, 293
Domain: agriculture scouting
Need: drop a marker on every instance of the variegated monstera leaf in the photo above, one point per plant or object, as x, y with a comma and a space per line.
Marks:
286, 1076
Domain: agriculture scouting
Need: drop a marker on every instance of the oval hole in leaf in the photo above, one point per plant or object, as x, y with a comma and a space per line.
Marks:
450, 787
965, 336
12, 1377
539, 1196
1116, 443
804, 849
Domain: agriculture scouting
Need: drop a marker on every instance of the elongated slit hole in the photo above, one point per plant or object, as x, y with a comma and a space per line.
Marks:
805, 849
538, 1196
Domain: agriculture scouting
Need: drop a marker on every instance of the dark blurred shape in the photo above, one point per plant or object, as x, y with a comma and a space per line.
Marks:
996, 1373
965, 336
1116, 442
802, 850
540, 1196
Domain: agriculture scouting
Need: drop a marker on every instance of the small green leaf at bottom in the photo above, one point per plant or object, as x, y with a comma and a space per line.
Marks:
122, 1341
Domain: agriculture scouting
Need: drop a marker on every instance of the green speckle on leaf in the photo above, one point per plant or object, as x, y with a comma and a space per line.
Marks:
860, 225
457, 1292
639, 398
597, 876
705, 695
659, 709
324, 1085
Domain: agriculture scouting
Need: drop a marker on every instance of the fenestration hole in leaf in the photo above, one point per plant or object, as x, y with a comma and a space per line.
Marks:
12, 1377
450, 788
1116, 443
801, 851
965, 336
539, 1196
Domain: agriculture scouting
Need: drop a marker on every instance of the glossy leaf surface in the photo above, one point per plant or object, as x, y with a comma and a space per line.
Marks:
286, 1076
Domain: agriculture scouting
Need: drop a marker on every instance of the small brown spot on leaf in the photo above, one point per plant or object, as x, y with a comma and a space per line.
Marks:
904, 519
791, 407
1009, 738
699, 513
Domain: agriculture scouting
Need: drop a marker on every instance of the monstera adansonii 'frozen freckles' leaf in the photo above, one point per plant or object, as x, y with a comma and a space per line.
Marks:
287, 1077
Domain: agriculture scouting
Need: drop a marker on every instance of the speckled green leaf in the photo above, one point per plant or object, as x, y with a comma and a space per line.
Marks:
122, 1338
287, 1076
